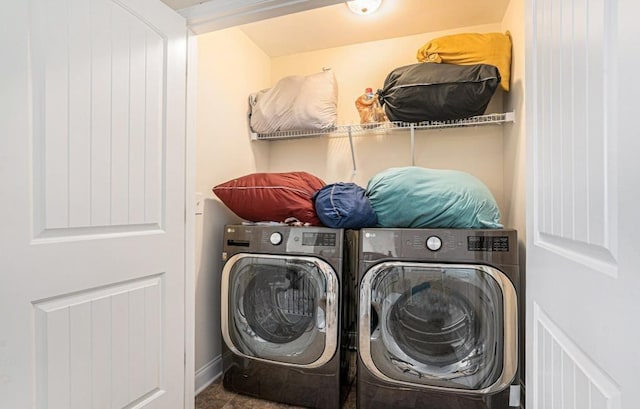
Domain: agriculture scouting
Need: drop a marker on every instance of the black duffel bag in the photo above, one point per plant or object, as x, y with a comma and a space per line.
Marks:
438, 92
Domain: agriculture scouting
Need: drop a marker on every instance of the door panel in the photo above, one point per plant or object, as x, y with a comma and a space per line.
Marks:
92, 210
575, 213
582, 281
98, 125
71, 332
567, 378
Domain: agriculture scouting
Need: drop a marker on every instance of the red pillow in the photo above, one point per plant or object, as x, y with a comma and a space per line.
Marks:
272, 196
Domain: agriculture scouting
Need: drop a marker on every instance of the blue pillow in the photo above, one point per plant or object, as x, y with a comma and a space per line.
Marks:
420, 197
344, 206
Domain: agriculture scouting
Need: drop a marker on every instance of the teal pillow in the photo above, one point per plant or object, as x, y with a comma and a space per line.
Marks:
435, 198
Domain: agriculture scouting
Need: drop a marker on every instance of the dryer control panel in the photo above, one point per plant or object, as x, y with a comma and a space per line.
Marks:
492, 245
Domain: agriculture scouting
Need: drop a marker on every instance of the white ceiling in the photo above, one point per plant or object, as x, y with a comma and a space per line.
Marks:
335, 26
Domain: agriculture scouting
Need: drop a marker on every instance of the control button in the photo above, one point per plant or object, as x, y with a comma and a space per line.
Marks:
434, 243
275, 238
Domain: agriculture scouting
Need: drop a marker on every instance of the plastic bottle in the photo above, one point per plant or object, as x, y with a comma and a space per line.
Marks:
368, 92
369, 108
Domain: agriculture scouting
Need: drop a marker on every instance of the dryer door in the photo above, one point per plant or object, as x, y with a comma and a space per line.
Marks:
281, 309
442, 326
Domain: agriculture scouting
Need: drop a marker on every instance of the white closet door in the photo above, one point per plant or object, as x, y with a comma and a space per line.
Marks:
583, 257
92, 204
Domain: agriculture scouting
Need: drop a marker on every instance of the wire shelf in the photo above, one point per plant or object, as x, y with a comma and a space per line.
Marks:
383, 127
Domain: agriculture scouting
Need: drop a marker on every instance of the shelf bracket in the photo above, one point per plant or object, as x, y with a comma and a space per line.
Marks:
413, 145
353, 155
510, 116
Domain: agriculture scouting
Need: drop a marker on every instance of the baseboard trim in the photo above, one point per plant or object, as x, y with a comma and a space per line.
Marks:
208, 374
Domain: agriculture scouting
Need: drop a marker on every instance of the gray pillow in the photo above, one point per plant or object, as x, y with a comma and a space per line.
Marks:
296, 103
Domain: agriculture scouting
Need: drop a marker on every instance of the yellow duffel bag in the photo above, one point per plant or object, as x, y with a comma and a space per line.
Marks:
471, 48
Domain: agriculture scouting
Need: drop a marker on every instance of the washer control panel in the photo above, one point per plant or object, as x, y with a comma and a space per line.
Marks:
318, 239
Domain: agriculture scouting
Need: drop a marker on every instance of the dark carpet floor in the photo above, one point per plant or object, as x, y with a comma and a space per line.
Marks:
216, 397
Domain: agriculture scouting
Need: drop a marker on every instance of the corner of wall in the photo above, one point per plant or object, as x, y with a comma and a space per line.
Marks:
230, 67
515, 142
208, 374
515, 134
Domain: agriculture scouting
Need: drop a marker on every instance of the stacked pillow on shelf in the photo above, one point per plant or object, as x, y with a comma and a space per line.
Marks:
294, 103
455, 78
438, 92
469, 49
397, 197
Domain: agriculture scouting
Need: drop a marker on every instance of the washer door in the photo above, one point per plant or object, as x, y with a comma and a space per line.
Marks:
281, 309
443, 326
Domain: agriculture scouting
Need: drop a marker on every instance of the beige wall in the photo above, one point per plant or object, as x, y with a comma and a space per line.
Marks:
229, 68
514, 149
514, 134
478, 151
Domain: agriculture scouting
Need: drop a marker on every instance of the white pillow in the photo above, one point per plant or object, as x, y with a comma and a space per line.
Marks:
296, 103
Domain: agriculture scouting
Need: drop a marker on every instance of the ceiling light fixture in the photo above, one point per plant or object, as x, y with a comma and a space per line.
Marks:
364, 7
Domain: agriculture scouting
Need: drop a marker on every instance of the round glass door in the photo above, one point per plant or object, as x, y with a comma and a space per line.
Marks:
447, 326
281, 309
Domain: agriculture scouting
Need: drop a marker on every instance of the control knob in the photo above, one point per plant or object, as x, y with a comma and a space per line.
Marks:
434, 243
275, 238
